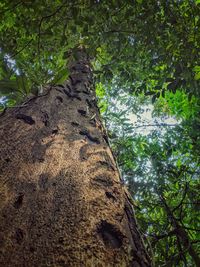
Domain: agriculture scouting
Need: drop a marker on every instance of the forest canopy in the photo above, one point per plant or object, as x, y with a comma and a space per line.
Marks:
145, 55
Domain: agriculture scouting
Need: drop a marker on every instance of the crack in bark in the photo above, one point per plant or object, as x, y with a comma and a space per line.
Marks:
19, 236
19, 201
102, 180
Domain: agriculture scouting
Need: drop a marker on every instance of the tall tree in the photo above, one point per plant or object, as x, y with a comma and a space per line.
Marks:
62, 200
138, 46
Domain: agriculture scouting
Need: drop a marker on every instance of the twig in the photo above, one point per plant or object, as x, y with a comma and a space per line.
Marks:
184, 195
46, 17
155, 125
9, 9
19, 51
191, 229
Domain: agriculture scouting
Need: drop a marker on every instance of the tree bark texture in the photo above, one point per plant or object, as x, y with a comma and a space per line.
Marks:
62, 202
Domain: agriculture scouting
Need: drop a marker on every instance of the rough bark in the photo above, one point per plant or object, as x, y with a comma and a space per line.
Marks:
62, 202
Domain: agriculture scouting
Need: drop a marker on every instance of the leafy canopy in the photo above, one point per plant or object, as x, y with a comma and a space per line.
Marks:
146, 46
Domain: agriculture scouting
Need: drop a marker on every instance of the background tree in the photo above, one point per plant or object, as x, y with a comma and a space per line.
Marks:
160, 163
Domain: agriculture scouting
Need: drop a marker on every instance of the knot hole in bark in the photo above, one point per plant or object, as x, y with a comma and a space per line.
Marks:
43, 181
19, 201
7, 160
25, 119
59, 99
111, 236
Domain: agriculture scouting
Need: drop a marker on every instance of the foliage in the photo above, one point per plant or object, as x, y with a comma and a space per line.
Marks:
162, 171
148, 46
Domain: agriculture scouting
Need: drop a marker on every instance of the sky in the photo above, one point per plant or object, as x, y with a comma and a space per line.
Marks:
147, 118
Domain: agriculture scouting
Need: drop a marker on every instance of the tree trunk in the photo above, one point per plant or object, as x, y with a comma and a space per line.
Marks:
181, 234
61, 199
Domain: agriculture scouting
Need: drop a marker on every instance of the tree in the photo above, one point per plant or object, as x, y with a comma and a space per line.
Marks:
62, 200
162, 170
136, 47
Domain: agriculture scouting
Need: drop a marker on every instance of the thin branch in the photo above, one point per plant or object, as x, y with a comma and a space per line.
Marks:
183, 198
191, 229
119, 31
41, 21
119, 10
19, 51
158, 237
156, 125
195, 241
11, 8
182, 257
192, 203
180, 231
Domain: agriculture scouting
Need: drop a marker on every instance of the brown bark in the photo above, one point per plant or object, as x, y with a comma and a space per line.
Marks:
61, 199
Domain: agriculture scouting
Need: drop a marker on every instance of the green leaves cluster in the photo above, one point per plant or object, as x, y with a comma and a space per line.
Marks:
146, 46
162, 171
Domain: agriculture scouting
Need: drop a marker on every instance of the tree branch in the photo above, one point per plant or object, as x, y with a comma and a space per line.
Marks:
158, 237
41, 21
11, 8
19, 51
155, 125
180, 232
183, 197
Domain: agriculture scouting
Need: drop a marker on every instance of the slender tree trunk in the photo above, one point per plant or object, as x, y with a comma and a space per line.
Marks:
181, 234
61, 199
